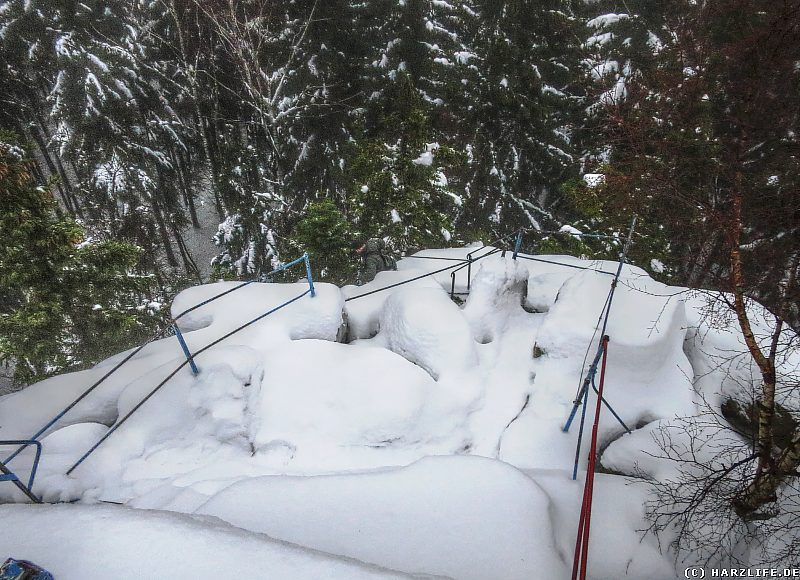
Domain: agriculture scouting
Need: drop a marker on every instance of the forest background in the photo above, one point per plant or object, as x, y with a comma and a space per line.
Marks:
153, 144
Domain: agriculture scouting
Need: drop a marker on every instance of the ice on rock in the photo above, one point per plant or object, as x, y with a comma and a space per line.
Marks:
425, 327
466, 518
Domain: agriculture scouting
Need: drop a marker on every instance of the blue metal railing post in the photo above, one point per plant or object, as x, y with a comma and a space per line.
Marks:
584, 387
517, 244
308, 275
8, 475
186, 351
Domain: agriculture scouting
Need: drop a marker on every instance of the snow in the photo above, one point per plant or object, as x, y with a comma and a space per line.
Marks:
427, 328
86, 542
568, 229
605, 20
425, 158
657, 266
640, 453
458, 517
321, 410
363, 314
398, 428
594, 179
599, 39
463, 57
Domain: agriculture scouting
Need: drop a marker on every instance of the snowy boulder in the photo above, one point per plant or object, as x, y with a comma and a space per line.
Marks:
543, 289
618, 549
498, 291
95, 542
446, 259
308, 317
425, 327
648, 375
59, 450
22, 413
651, 451
221, 392
645, 328
466, 518
363, 314
318, 394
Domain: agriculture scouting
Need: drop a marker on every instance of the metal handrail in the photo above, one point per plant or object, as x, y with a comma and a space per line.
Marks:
159, 334
119, 423
8, 475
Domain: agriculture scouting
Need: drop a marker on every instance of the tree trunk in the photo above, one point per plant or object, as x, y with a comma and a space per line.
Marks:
51, 169
65, 181
762, 490
162, 229
188, 262
183, 184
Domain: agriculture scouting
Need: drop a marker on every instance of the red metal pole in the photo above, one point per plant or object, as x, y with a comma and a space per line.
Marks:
581, 558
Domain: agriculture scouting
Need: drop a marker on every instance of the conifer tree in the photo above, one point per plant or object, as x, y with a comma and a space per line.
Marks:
708, 146
519, 125
67, 301
325, 234
398, 186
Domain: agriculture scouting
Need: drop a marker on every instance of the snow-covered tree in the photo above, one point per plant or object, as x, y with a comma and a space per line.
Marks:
708, 145
68, 300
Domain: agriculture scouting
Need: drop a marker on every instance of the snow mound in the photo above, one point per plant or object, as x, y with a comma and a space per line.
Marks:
98, 542
648, 375
363, 314
451, 260
281, 402
617, 548
646, 452
640, 325
349, 397
497, 294
317, 317
220, 396
462, 517
23, 412
425, 327
543, 289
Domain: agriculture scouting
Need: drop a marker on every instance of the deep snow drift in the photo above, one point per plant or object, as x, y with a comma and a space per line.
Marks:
429, 443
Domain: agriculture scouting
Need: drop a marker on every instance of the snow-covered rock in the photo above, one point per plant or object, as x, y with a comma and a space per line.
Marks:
497, 294
317, 432
363, 314
459, 517
319, 394
424, 326
102, 541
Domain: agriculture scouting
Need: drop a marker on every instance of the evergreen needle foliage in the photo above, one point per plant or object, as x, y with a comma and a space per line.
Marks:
66, 301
